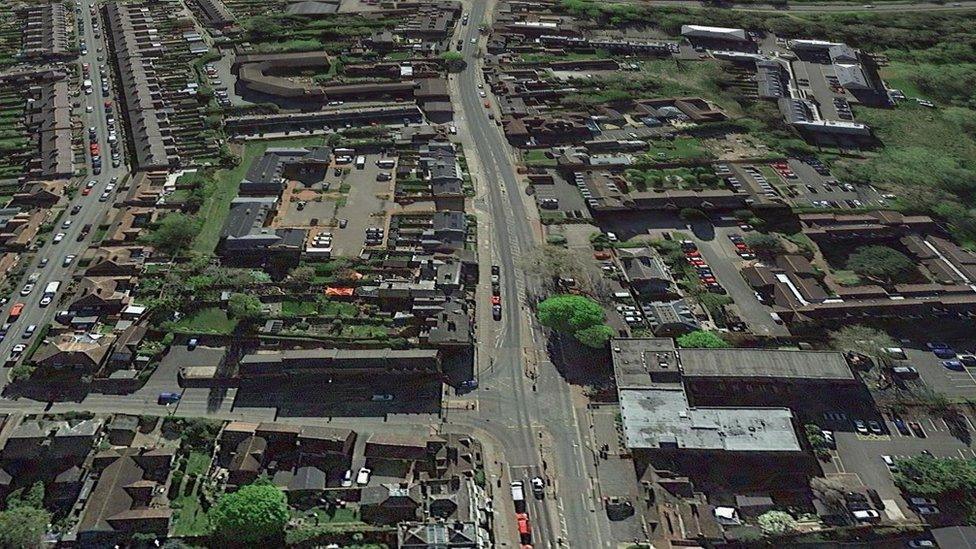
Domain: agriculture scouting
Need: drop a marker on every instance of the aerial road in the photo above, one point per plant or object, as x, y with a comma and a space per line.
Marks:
52, 261
533, 416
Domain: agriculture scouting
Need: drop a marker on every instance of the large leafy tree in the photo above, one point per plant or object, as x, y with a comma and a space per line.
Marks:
702, 339
881, 263
255, 513
764, 243
244, 307
595, 336
570, 313
576, 315
23, 526
937, 477
175, 233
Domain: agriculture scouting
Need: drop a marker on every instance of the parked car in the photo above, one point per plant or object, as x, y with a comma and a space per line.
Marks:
167, 398
875, 427
347, 479
363, 477
916, 428
860, 427
953, 365
382, 397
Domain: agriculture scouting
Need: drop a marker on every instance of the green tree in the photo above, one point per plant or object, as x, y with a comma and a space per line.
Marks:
256, 513
595, 336
701, 339
174, 233
881, 263
303, 274
23, 526
692, 214
454, 60
862, 339
776, 522
934, 477
570, 313
244, 307
764, 243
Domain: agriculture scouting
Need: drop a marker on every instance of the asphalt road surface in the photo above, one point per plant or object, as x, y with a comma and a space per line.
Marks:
92, 211
534, 419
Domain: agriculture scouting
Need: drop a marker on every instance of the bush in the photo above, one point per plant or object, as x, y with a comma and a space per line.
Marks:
702, 340
254, 514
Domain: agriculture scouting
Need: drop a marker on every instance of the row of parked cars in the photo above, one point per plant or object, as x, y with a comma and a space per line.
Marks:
704, 272
741, 248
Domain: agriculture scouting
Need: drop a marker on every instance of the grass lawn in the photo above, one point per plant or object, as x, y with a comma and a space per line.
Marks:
197, 463
214, 209
364, 331
298, 308
338, 308
537, 157
208, 321
189, 518
846, 278
899, 75
682, 148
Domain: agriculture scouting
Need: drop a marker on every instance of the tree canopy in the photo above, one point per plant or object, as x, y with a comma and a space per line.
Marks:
881, 263
937, 477
570, 313
763, 243
254, 513
576, 315
702, 339
776, 522
862, 339
23, 526
174, 233
244, 307
595, 336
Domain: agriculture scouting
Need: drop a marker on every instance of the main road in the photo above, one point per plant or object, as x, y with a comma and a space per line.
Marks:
92, 210
522, 401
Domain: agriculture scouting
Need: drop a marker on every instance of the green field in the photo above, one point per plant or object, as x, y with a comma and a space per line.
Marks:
206, 321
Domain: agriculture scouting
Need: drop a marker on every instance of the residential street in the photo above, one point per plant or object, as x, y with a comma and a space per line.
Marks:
92, 212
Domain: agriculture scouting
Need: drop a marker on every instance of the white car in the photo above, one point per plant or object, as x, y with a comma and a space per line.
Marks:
66, 224
68, 259
347, 479
363, 477
58, 237
90, 184
45, 301
27, 289
18, 349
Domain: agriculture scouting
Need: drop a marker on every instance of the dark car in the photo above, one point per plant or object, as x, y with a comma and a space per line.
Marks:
944, 353
76, 209
902, 426
496, 312
876, 499
168, 398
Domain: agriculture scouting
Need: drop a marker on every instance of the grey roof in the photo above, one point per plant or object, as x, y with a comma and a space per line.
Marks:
769, 363
660, 418
714, 33
770, 77
852, 77
842, 53
635, 359
663, 314
312, 7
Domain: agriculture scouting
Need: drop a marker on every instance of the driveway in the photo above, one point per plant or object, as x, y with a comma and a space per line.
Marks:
724, 262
